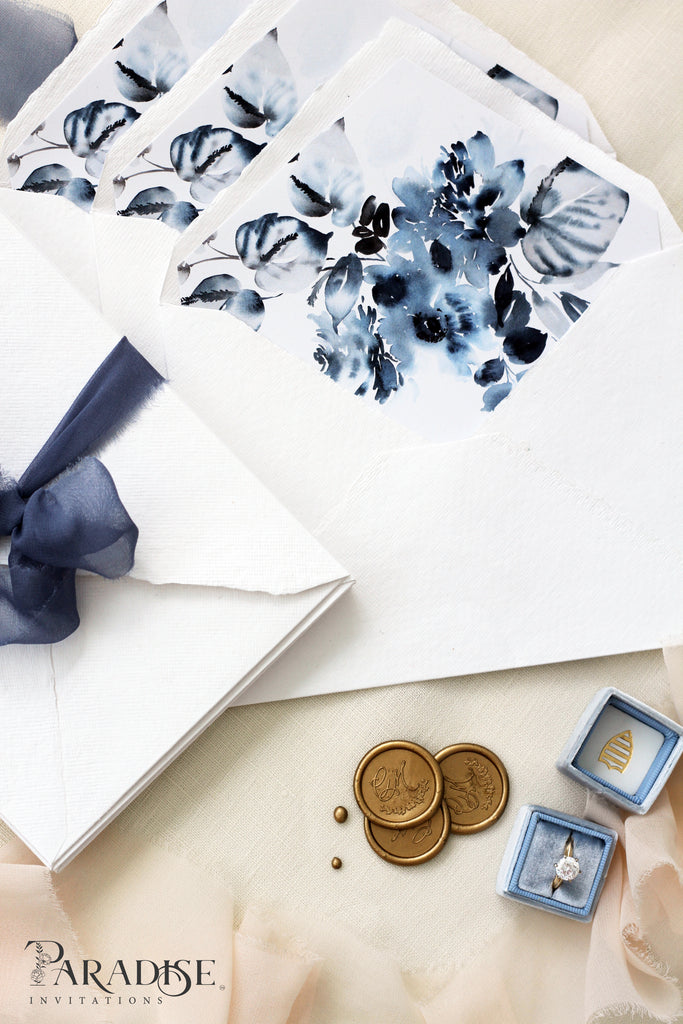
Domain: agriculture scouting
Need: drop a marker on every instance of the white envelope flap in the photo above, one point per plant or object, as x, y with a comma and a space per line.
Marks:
203, 518
606, 413
539, 86
473, 557
224, 581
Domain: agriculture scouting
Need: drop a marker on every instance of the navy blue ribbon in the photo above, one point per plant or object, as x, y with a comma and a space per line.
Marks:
65, 513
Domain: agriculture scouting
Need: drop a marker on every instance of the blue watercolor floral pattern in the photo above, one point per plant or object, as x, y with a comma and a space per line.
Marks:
258, 96
469, 259
144, 65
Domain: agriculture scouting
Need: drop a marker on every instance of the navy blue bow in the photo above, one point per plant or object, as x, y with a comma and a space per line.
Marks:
65, 513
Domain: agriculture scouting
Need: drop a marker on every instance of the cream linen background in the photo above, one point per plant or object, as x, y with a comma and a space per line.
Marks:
253, 798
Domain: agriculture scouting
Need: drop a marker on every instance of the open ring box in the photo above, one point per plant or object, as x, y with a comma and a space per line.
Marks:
537, 843
623, 750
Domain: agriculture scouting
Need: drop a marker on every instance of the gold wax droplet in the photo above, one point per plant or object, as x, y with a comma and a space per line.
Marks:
340, 814
336, 863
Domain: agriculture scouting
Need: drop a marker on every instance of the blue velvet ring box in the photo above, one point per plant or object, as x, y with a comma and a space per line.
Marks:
537, 843
622, 749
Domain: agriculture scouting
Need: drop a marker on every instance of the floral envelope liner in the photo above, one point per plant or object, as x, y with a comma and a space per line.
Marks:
424, 252
65, 154
207, 147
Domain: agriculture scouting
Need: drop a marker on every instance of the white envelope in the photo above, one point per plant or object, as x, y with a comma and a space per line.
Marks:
535, 543
225, 579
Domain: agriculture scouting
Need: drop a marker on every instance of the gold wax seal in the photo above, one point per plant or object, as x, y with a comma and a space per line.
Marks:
398, 785
618, 751
475, 786
413, 845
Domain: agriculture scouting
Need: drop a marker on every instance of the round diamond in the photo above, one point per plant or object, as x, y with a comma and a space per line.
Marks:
567, 868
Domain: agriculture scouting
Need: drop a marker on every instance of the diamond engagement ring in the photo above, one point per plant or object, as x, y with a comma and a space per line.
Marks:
567, 867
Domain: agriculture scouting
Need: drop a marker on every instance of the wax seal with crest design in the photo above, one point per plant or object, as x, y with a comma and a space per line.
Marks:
398, 785
475, 786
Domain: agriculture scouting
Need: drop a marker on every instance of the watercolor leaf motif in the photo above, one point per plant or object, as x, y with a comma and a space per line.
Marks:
91, 131
159, 203
531, 93
211, 159
572, 219
285, 253
48, 179
490, 372
259, 88
151, 202
222, 291
327, 178
494, 395
342, 288
573, 305
55, 179
150, 59
179, 216
521, 343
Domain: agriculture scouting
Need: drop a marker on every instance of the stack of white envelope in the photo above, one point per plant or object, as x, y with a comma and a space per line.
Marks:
224, 580
394, 267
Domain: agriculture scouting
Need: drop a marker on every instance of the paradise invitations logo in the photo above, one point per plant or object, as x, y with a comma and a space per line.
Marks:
57, 979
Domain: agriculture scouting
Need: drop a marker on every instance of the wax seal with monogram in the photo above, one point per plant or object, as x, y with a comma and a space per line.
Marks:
413, 845
398, 785
412, 800
475, 786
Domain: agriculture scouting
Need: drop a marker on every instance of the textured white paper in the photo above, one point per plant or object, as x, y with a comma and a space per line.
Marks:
224, 581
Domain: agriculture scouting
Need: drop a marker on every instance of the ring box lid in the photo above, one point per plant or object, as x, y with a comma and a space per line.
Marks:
622, 749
